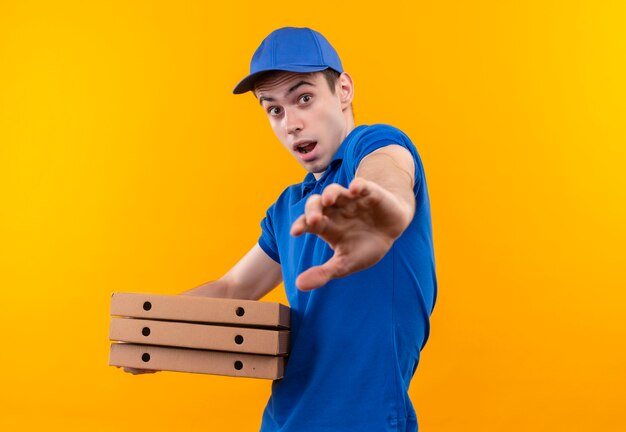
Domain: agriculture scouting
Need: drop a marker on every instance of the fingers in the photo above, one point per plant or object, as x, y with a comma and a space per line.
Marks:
312, 278
332, 192
361, 187
313, 210
136, 371
299, 226
318, 276
313, 219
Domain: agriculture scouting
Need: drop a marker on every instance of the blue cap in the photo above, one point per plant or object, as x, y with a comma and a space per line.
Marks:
291, 49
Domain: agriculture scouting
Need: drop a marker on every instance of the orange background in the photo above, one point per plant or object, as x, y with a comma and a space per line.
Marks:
127, 165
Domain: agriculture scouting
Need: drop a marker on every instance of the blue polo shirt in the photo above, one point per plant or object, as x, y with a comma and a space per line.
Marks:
356, 341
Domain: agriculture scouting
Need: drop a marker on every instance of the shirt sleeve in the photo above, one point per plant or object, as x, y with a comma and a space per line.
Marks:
267, 240
378, 136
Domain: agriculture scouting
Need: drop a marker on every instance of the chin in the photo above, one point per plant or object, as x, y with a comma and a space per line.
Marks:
317, 169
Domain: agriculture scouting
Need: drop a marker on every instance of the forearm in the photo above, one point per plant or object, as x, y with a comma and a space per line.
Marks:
392, 168
218, 288
250, 279
223, 288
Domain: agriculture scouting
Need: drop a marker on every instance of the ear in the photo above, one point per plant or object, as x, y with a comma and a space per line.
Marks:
345, 87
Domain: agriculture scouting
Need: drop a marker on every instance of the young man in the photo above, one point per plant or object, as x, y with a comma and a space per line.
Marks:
352, 244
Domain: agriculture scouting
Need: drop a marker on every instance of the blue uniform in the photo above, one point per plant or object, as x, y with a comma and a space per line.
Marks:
356, 341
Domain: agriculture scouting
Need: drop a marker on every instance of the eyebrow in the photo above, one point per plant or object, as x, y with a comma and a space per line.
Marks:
291, 90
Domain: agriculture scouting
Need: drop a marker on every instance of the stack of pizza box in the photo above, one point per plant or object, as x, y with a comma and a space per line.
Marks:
242, 338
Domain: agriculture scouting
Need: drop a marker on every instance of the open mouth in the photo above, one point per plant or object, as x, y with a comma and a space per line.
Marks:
306, 147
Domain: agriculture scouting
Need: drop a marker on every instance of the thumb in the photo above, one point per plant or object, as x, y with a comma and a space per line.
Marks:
318, 276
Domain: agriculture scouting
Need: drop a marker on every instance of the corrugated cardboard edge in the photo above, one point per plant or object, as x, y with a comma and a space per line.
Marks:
284, 342
201, 309
284, 315
196, 361
199, 336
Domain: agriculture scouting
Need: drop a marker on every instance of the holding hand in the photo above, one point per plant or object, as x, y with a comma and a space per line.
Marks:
135, 371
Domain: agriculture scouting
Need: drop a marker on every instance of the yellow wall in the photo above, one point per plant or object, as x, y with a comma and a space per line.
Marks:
127, 165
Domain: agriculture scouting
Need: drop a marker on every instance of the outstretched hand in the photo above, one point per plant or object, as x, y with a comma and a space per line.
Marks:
359, 223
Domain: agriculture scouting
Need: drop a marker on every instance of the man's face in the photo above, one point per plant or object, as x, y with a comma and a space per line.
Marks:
308, 119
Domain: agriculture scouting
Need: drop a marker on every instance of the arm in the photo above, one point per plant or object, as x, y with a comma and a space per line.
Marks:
251, 278
392, 167
360, 223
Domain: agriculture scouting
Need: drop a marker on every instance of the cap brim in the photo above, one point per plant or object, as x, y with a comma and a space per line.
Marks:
247, 83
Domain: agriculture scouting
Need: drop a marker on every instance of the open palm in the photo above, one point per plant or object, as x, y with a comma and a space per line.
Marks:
359, 223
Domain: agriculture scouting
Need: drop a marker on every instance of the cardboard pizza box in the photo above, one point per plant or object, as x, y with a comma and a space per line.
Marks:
201, 336
249, 313
196, 361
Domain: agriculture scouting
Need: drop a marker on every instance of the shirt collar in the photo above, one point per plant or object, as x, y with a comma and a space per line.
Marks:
309, 180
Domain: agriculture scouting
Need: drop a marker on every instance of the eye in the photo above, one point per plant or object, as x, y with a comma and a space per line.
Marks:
274, 111
306, 98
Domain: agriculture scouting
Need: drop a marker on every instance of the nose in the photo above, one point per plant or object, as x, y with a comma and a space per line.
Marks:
293, 121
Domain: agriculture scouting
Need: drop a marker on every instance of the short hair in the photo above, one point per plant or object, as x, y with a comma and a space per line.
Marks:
331, 76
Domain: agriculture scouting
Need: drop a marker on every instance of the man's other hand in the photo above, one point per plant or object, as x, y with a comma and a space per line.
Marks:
135, 371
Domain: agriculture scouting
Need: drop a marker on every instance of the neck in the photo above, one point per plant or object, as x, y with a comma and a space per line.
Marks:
349, 127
